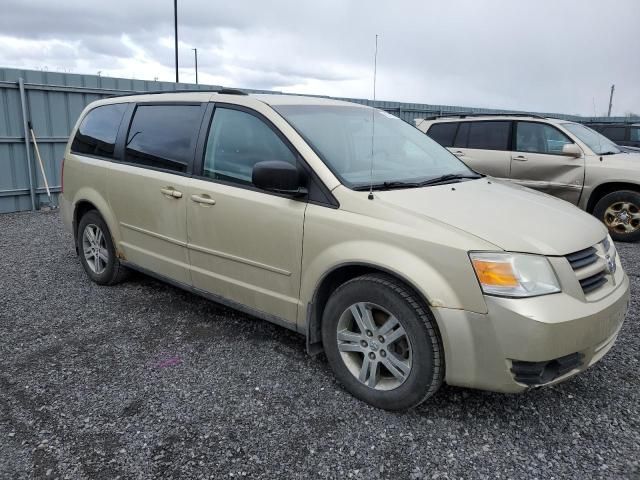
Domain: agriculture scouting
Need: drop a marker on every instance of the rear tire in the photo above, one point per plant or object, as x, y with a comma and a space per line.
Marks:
620, 212
382, 342
97, 252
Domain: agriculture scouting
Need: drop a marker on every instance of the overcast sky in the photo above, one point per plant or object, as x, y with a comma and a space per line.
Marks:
544, 55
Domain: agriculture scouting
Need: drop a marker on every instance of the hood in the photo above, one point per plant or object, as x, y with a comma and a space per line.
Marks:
513, 218
628, 159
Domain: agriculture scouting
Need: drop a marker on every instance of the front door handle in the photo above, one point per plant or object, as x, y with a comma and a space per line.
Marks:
202, 199
520, 158
171, 192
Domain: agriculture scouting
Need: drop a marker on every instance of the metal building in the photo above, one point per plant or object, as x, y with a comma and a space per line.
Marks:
51, 102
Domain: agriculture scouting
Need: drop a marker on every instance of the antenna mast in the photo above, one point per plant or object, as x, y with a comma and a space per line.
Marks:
373, 118
613, 87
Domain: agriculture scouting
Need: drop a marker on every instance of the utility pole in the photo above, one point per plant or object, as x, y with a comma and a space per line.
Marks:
175, 29
195, 52
613, 87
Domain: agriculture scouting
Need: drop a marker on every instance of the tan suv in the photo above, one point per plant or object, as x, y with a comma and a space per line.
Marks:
558, 157
350, 227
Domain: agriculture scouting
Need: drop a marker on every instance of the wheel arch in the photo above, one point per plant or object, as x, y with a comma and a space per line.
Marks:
88, 199
330, 281
607, 188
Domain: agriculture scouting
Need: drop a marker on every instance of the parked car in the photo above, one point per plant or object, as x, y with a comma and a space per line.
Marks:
406, 267
624, 134
558, 157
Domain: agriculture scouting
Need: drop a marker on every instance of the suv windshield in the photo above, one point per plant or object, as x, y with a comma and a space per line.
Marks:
345, 137
600, 144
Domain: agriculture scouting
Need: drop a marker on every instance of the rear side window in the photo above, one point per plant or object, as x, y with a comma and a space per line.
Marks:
613, 133
635, 134
462, 137
489, 135
443, 133
237, 141
98, 131
163, 136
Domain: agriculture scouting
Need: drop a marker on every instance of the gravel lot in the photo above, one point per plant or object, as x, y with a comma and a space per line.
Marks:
143, 380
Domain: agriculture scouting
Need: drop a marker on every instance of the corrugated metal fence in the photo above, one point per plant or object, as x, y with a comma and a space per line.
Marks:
52, 101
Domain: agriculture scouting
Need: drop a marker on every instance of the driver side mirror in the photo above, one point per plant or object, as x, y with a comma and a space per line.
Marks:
278, 177
571, 150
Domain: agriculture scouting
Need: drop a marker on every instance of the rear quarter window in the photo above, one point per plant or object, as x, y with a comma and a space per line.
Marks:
443, 133
98, 131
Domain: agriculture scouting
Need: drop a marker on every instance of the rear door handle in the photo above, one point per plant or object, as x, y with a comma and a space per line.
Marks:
171, 192
202, 199
520, 158
459, 153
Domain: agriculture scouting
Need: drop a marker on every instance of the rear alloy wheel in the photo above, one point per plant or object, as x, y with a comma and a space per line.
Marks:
382, 342
94, 248
620, 212
97, 252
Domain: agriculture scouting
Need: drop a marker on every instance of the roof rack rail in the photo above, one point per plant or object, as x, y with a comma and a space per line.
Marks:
232, 91
474, 114
226, 91
612, 123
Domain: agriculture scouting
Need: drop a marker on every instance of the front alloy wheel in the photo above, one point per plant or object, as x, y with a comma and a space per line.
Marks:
623, 217
374, 346
382, 342
620, 212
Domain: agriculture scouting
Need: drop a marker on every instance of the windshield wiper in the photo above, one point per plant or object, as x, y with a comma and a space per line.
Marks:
388, 185
450, 177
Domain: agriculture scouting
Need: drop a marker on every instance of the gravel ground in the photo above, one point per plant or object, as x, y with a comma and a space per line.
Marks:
143, 380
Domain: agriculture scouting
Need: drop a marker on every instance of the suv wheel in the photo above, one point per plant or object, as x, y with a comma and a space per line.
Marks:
97, 253
382, 343
620, 212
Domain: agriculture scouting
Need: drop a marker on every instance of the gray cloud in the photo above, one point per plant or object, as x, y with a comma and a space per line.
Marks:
538, 55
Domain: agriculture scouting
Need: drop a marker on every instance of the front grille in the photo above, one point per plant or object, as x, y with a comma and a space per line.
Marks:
538, 373
583, 258
593, 282
590, 266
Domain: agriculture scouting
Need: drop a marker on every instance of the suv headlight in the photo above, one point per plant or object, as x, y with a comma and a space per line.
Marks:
514, 274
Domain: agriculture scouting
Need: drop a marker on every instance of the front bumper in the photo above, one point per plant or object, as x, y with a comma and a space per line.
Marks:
480, 348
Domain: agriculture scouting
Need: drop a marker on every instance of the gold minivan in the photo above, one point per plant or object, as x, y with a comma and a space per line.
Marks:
351, 227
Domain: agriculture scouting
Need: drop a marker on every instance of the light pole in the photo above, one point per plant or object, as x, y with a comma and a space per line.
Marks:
195, 52
175, 29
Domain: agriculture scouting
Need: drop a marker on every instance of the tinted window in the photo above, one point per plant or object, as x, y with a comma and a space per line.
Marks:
613, 133
443, 133
538, 137
462, 137
635, 134
98, 131
489, 135
163, 136
237, 141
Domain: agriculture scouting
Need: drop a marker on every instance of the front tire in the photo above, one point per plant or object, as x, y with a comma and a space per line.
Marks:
97, 252
620, 212
382, 342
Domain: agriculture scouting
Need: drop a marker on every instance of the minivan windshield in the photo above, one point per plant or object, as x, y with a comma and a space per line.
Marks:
345, 137
600, 144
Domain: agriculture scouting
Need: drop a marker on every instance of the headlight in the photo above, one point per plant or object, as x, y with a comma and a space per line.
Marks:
514, 274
